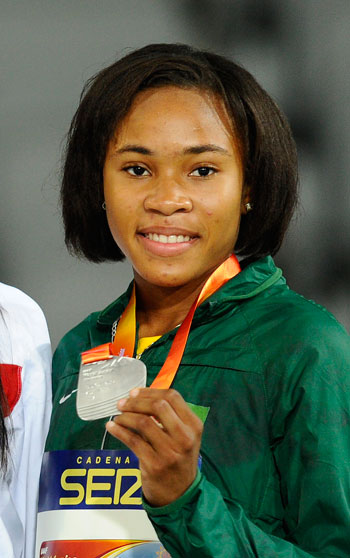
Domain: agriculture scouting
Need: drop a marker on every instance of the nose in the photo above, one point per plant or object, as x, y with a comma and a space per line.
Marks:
167, 197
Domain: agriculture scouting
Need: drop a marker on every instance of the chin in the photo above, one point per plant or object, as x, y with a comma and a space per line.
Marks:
171, 282
161, 279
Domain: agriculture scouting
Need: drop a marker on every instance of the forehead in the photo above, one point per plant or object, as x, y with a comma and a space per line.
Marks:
176, 114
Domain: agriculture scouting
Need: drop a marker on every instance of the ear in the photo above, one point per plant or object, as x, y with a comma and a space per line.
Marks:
246, 200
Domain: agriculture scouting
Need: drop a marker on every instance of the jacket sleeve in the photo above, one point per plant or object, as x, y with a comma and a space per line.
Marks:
201, 524
310, 440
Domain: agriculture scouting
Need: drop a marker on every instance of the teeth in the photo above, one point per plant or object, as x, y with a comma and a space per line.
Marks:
171, 239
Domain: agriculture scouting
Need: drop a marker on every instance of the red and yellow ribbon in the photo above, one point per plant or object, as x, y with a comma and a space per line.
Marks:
124, 339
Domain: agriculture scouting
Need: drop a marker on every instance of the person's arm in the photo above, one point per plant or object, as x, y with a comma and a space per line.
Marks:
24, 346
310, 423
188, 513
202, 524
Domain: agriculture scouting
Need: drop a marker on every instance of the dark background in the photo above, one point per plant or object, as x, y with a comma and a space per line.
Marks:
298, 50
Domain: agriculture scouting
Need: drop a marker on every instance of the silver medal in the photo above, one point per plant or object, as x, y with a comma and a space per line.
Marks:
101, 384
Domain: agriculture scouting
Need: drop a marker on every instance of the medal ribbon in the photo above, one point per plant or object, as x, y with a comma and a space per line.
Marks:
124, 339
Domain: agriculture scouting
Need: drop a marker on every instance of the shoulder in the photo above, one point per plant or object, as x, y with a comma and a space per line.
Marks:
301, 346
23, 322
78, 339
290, 333
94, 330
19, 304
288, 318
303, 322
90, 332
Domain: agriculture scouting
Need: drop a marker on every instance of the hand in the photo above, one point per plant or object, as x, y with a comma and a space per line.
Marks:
167, 452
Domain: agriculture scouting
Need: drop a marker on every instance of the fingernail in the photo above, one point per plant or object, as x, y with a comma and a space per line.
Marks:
134, 392
121, 403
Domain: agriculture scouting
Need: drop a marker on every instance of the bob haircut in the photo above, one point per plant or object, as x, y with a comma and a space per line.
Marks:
267, 149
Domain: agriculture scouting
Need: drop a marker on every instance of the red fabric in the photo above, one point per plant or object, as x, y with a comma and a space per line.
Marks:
11, 381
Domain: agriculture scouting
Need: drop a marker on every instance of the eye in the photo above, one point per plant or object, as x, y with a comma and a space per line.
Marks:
203, 171
136, 170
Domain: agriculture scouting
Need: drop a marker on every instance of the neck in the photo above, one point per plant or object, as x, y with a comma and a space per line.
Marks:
160, 309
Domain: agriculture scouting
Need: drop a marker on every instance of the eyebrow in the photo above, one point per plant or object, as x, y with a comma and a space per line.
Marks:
135, 149
198, 149
193, 150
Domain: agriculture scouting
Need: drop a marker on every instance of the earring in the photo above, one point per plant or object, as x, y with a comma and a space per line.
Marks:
248, 207
104, 205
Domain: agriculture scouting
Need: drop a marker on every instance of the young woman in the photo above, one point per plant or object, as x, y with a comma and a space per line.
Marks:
25, 380
177, 159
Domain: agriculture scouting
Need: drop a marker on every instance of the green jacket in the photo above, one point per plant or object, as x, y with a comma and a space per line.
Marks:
269, 372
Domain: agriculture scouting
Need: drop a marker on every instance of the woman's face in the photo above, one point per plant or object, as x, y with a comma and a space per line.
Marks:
173, 186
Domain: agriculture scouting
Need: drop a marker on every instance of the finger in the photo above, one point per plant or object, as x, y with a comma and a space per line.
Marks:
140, 447
168, 453
147, 428
181, 409
142, 400
176, 437
168, 445
184, 435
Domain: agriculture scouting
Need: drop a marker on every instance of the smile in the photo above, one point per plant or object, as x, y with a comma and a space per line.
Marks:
164, 239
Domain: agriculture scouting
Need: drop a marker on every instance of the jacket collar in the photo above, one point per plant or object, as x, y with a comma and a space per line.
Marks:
252, 280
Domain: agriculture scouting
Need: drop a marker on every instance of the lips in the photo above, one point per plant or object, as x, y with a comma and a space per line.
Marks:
167, 234
168, 239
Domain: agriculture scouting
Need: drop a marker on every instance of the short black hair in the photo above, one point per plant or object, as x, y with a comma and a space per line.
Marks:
262, 131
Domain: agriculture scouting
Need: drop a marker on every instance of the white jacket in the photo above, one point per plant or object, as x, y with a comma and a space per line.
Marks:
24, 341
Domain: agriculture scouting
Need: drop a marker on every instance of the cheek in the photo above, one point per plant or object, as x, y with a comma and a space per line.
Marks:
117, 221
120, 211
128, 209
